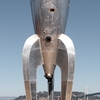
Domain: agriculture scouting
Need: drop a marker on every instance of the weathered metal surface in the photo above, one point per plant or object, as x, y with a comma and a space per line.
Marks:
49, 48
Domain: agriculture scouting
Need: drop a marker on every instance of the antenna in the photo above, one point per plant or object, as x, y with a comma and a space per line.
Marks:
85, 93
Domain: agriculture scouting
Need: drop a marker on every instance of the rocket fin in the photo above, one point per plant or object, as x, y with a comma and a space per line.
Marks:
66, 62
31, 60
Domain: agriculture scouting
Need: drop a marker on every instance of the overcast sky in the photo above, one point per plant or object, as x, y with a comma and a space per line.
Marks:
83, 27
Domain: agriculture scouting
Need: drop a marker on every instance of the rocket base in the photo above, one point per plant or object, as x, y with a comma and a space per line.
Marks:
32, 58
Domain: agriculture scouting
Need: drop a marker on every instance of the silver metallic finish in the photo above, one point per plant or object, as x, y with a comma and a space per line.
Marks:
66, 61
49, 19
31, 60
49, 47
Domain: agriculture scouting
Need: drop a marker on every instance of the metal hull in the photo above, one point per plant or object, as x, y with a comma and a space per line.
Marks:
49, 16
49, 47
49, 20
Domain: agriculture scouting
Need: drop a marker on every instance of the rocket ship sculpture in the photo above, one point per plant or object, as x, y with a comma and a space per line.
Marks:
49, 47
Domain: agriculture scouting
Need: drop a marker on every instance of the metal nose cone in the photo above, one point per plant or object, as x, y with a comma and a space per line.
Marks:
49, 59
49, 71
49, 76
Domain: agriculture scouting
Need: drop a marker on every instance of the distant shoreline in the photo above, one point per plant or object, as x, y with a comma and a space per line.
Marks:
7, 98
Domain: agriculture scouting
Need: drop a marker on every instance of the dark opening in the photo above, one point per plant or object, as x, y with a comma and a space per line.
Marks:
52, 9
48, 39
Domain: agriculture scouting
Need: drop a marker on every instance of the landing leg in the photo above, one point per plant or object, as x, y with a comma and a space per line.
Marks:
66, 61
31, 60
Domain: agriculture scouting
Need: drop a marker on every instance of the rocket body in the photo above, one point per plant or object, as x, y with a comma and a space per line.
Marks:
49, 21
49, 46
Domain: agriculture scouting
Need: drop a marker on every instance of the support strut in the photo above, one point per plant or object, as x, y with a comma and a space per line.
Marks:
50, 88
